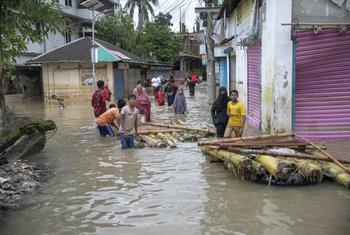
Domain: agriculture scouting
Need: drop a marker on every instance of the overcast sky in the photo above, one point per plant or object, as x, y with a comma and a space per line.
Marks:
187, 11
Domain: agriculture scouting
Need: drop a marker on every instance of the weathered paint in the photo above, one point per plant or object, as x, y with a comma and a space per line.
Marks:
244, 10
254, 82
241, 74
65, 79
323, 84
276, 69
319, 11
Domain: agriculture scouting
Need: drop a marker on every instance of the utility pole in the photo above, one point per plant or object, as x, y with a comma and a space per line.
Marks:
210, 56
180, 22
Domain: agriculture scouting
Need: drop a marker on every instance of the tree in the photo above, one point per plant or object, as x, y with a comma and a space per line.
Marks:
18, 21
144, 7
163, 19
159, 42
118, 30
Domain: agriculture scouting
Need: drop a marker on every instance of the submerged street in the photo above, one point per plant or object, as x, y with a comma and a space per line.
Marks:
94, 187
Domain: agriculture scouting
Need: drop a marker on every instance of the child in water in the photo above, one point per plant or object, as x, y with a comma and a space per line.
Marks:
160, 97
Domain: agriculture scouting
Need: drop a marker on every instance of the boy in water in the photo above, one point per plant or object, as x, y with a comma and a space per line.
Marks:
237, 114
129, 118
107, 119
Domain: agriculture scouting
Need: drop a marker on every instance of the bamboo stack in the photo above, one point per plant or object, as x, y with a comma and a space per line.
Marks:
277, 159
168, 139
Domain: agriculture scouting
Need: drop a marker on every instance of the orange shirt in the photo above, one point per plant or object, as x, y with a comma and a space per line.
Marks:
108, 117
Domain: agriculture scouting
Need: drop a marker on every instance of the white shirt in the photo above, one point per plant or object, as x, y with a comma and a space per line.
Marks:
156, 81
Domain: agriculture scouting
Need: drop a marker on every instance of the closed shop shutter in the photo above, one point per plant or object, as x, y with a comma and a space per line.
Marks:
254, 90
322, 99
223, 72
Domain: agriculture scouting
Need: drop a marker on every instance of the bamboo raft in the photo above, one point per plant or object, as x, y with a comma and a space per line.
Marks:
283, 159
162, 136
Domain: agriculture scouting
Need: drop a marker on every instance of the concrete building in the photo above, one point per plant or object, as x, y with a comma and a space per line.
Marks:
289, 61
27, 77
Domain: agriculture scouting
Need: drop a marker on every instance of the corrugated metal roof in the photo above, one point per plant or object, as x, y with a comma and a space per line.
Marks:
79, 51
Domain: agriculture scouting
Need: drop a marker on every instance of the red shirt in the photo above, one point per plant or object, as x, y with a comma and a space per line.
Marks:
106, 93
98, 102
160, 98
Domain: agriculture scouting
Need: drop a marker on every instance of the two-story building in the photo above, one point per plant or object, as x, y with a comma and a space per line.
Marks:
289, 60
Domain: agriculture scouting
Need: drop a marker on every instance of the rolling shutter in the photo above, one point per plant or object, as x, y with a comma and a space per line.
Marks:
322, 100
254, 90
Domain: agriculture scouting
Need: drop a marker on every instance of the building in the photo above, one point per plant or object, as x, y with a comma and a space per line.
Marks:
289, 61
26, 79
189, 59
67, 70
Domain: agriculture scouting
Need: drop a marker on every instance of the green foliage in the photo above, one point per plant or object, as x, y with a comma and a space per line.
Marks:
144, 9
18, 21
118, 30
163, 19
159, 42
155, 41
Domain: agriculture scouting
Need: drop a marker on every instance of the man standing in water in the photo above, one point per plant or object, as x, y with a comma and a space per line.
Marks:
236, 113
99, 98
129, 118
170, 91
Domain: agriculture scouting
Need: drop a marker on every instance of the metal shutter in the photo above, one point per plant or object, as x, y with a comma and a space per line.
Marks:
322, 100
254, 88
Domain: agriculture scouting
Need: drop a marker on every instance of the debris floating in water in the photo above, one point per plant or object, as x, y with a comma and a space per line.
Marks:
16, 180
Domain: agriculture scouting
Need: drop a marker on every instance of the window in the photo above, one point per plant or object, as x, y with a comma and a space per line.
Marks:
68, 36
68, 3
38, 27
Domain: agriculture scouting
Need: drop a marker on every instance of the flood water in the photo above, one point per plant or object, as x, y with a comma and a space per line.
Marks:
95, 188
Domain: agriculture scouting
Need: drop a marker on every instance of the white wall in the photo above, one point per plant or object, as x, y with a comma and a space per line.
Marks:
276, 70
241, 31
241, 74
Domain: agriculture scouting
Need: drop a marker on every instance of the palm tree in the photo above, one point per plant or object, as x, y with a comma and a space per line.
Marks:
144, 7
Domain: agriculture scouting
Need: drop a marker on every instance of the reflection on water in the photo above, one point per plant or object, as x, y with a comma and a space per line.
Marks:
96, 188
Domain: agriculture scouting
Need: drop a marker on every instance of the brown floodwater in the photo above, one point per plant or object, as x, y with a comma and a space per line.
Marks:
96, 188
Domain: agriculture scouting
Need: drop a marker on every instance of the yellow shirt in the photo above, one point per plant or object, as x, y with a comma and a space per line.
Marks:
236, 111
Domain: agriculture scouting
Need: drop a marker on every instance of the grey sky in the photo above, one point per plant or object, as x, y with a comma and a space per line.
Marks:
187, 11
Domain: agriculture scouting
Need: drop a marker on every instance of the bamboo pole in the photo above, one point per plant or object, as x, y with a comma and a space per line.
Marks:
163, 137
279, 168
182, 128
337, 173
155, 131
170, 137
287, 155
230, 140
256, 145
177, 136
152, 142
325, 153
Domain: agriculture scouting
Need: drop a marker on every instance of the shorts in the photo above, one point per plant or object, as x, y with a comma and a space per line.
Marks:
105, 130
232, 131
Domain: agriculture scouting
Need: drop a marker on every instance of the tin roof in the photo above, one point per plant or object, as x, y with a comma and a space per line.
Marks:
80, 51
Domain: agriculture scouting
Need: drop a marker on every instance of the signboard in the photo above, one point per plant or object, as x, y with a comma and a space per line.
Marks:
96, 55
123, 65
